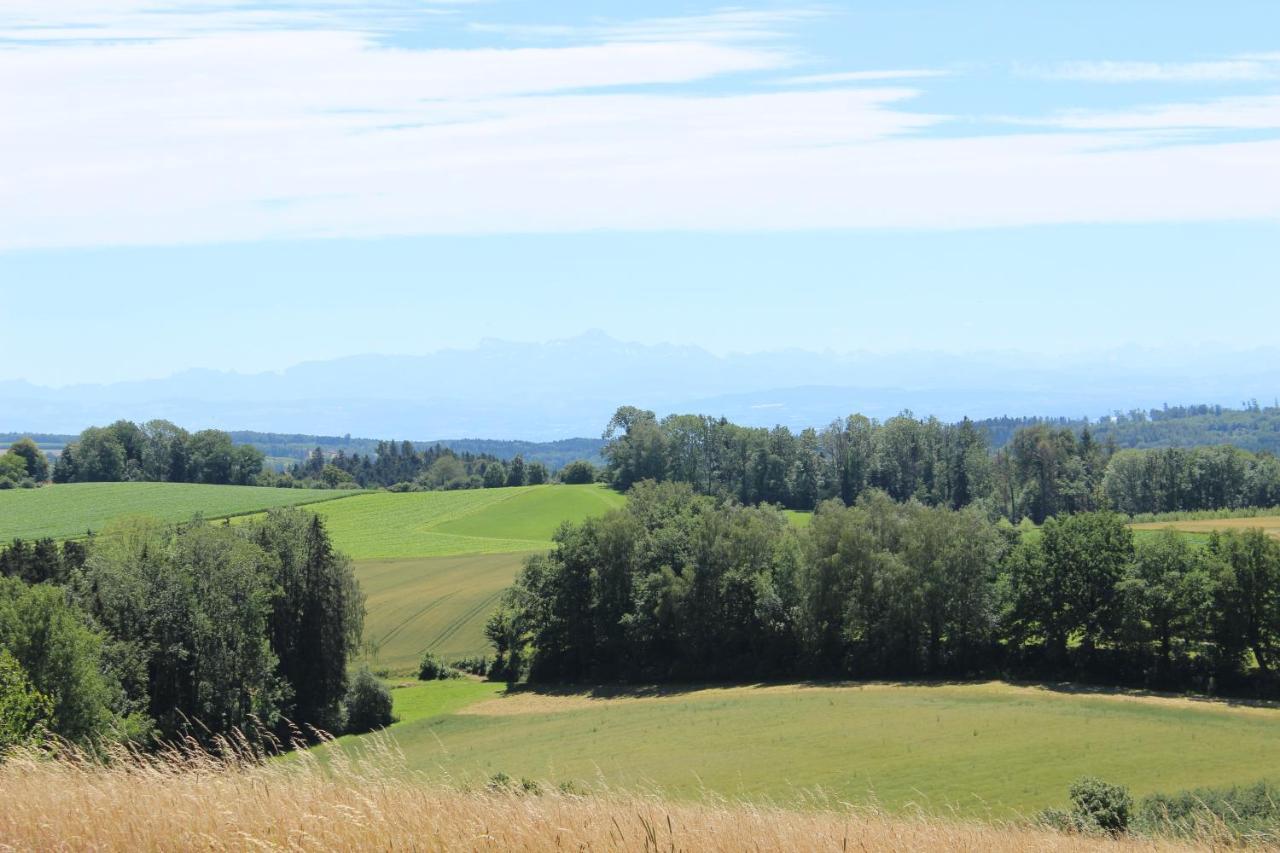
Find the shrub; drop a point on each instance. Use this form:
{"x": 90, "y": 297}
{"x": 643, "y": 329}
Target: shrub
{"x": 368, "y": 704}
{"x": 434, "y": 669}
{"x": 1243, "y": 810}
{"x": 578, "y": 472}
{"x": 1101, "y": 806}
{"x": 474, "y": 665}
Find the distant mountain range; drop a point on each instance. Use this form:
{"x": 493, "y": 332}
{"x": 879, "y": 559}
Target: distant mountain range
{"x": 565, "y": 388}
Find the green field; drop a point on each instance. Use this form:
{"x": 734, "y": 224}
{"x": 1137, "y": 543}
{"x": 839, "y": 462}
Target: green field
{"x": 981, "y": 749}
{"x": 476, "y": 521}
{"x": 438, "y": 604}
{"x": 71, "y": 509}
{"x": 434, "y": 563}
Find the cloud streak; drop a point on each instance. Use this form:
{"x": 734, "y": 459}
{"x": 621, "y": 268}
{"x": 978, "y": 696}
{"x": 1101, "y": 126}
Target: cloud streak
{"x": 308, "y": 123}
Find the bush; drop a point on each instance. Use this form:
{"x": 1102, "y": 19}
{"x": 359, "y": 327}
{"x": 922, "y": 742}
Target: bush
{"x": 476, "y": 665}
{"x": 368, "y": 704}
{"x": 1248, "y": 810}
{"x": 1100, "y": 806}
{"x": 578, "y": 472}
{"x": 434, "y": 669}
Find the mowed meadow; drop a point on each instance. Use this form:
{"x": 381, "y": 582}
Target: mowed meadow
{"x": 68, "y": 510}
{"x": 979, "y": 750}
{"x": 432, "y": 564}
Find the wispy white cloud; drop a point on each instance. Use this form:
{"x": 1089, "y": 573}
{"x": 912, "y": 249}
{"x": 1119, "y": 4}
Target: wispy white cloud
{"x": 1246, "y": 112}
{"x": 1254, "y": 67}
{"x": 228, "y": 128}
{"x": 721, "y": 25}
{"x": 865, "y": 76}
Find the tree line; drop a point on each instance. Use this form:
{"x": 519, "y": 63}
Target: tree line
{"x": 149, "y": 632}
{"x": 682, "y": 586}
{"x": 1042, "y": 471}
{"x": 156, "y": 451}
{"x": 400, "y": 466}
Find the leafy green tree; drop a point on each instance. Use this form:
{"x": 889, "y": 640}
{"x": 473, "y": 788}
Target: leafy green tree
{"x": 36, "y": 462}
{"x": 192, "y": 604}
{"x": 99, "y": 456}
{"x": 1167, "y": 596}
{"x": 445, "y": 472}
{"x": 368, "y": 704}
{"x": 1065, "y": 585}
{"x": 636, "y": 447}
{"x": 578, "y": 472}
{"x": 495, "y": 475}
{"x": 537, "y": 474}
{"x": 13, "y": 470}
{"x": 24, "y": 711}
{"x": 516, "y": 471}
{"x": 62, "y": 656}
{"x": 1247, "y": 606}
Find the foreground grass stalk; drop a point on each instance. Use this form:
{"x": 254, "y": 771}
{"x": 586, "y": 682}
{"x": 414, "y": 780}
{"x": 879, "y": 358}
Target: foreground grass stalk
{"x": 191, "y": 800}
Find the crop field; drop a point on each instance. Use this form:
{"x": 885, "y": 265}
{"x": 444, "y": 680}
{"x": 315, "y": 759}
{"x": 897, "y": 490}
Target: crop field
{"x": 1204, "y": 526}
{"x": 437, "y": 604}
{"x": 477, "y": 521}
{"x": 71, "y": 509}
{"x": 988, "y": 750}
{"x": 434, "y": 563}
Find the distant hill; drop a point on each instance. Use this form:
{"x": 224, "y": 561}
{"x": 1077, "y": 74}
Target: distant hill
{"x": 1252, "y": 427}
{"x": 546, "y": 391}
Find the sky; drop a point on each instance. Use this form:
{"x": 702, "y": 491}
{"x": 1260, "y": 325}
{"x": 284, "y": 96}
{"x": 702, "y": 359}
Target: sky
{"x": 245, "y": 187}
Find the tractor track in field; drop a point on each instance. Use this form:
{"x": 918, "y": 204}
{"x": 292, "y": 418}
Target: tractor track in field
{"x": 435, "y": 602}
{"x": 457, "y": 624}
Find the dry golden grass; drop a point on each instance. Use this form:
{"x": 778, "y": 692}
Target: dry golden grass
{"x": 193, "y": 802}
{"x": 1269, "y": 524}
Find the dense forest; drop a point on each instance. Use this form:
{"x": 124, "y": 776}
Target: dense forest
{"x": 684, "y": 586}
{"x": 148, "y": 632}
{"x": 1041, "y": 471}
{"x": 1251, "y": 427}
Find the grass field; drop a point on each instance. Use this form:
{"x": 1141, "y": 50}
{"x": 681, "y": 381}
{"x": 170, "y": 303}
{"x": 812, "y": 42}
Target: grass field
{"x": 477, "y": 521}
{"x": 984, "y": 750}
{"x": 434, "y": 563}
{"x": 439, "y": 604}
{"x": 70, "y": 509}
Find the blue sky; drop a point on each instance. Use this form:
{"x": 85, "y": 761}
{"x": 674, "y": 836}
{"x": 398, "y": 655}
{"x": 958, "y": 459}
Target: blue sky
{"x": 245, "y": 187}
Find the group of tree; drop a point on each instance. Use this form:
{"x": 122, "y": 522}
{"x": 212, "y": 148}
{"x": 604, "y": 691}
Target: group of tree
{"x": 150, "y": 632}
{"x": 1252, "y": 426}
{"x": 157, "y": 451}
{"x": 681, "y": 586}
{"x": 401, "y": 466}
{"x": 1040, "y": 472}
{"x": 23, "y": 464}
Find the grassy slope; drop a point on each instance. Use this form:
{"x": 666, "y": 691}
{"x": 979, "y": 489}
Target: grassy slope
{"x": 436, "y": 603}
{"x": 67, "y": 510}
{"x": 434, "y": 563}
{"x": 480, "y": 521}
{"x": 985, "y": 749}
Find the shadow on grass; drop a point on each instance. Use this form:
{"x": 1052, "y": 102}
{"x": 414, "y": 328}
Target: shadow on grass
{"x": 676, "y": 689}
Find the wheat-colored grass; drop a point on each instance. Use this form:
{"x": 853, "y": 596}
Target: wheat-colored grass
{"x": 188, "y": 801}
